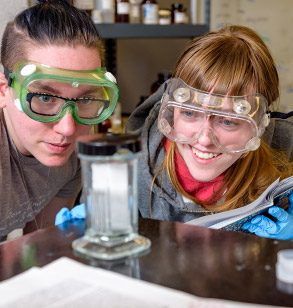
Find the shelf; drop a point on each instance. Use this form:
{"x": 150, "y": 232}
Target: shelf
{"x": 136, "y": 31}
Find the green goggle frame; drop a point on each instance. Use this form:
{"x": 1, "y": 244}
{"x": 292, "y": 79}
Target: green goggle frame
{"x": 28, "y": 72}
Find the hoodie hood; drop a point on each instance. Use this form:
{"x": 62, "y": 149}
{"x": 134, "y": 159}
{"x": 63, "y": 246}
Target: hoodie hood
{"x": 145, "y": 113}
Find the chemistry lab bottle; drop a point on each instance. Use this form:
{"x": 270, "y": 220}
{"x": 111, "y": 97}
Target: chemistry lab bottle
{"x": 135, "y": 11}
{"x": 178, "y": 14}
{"x": 122, "y": 11}
{"x": 85, "y": 5}
{"x": 108, "y": 11}
{"x": 150, "y": 12}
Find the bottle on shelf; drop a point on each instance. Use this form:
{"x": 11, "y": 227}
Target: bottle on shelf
{"x": 85, "y": 5}
{"x": 178, "y": 14}
{"x": 122, "y": 11}
{"x": 97, "y": 17}
{"x": 108, "y": 11}
{"x": 116, "y": 120}
{"x": 162, "y": 77}
{"x": 150, "y": 12}
{"x": 105, "y": 126}
{"x": 165, "y": 17}
{"x": 135, "y": 11}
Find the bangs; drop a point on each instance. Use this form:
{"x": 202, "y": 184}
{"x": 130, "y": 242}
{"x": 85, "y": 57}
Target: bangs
{"x": 221, "y": 68}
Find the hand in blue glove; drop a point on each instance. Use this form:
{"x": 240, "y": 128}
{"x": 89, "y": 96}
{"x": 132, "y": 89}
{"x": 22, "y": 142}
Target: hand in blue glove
{"x": 78, "y": 212}
{"x": 282, "y": 229}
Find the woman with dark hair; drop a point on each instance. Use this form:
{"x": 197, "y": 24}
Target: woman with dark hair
{"x": 53, "y": 90}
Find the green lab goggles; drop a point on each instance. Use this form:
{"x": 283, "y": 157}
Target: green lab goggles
{"x": 48, "y": 93}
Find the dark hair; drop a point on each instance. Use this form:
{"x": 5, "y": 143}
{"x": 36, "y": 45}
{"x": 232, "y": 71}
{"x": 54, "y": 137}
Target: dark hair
{"x": 49, "y": 22}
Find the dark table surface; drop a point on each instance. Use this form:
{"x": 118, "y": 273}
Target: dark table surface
{"x": 200, "y": 261}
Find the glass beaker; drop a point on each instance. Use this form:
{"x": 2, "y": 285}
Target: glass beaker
{"x": 109, "y": 170}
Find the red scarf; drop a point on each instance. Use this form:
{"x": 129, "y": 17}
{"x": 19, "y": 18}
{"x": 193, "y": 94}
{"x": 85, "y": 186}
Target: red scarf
{"x": 204, "y": 191}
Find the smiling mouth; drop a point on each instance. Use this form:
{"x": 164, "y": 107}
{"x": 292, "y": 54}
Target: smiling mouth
{"x": 204, "y": 155}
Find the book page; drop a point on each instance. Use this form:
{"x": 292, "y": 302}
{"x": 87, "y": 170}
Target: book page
{"x": 68, "y": 283}
{"x": 266, "y": 199}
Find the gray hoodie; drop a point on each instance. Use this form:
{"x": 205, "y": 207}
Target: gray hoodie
{"x": 166, "y": 202}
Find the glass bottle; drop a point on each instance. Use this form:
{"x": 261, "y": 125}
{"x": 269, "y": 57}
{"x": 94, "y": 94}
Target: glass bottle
{"x": 105, "y": 126}
{"x": 97, "y": 16}
{"x": 150, "y": 12}
{"x": 122, "y": 11}
{"x": 85, "y": 5}
{"x": 178, "y": 14}
{"x": 135, "y": 11}
{"x": 108, "y": 11}
{"x": 116, "y": 119}
{"x": 165, "y": 17}
{"x": 109, "y": 166}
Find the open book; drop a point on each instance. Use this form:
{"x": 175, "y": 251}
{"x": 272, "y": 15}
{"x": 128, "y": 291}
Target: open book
{"x": 234, "y": 219}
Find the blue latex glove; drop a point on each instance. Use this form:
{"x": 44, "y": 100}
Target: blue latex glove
{"x": 282, "y": 229}
{"x": 78, "y": 212}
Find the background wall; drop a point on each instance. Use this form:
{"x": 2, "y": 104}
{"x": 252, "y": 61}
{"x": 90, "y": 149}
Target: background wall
{"x": 139, "y": 61}
{"x": 273, "y": 21}
{"x": 8, "y": 9}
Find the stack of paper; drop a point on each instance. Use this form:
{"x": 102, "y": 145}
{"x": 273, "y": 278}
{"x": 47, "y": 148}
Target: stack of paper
{"x": 68, "y": 283}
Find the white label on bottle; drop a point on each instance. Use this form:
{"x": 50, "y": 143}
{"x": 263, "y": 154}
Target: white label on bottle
{"x": 150, "y": 13}
{"x": 107, "y": 4}
{"x": 179, "y": 18}
{"x": 123, "y": 8}
{"x": 84, "y": 4}
{"x": 110, "y": 187}
{"x": 135, "y": 11}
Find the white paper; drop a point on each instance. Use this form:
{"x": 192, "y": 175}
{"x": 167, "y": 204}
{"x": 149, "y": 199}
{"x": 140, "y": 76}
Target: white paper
{"x": 68, "y": 283}
{"x": 265, "y": 200}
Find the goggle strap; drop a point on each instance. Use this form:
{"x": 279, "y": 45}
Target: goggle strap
{"x": 7, "y": 76}
{"x": 281, "y": 115}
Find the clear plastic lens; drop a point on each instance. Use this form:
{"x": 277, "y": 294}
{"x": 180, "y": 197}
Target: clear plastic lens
{"x": 199, "y": 118}
{"x": 233, "y": 123}
{"x": 226, "y": 131}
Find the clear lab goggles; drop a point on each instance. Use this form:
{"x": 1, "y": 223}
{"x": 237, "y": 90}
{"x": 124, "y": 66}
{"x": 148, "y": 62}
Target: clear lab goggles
{"x": 47, "y": 93}
{"x": 234, "y": 124}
